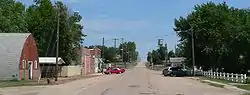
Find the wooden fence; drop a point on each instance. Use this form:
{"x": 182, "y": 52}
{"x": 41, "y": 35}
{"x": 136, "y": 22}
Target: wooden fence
{"x": 240, "y": 78}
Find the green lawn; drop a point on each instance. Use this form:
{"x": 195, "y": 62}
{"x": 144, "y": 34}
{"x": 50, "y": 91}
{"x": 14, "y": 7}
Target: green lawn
{"x": 217, "y": 80}
{"x": 246, "y": 94}
{"x": 246, "y": 86}
{"x": 213, "y": 84}
{"x": 216, "y": 85}
{"x": 11, "y": 83}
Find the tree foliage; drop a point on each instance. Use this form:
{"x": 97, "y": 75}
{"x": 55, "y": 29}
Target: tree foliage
{"x": 109, "y": 52}
{"x": 129, "y": 51}
{"x": 159, "y": 55}
{"x": 221, "y": 36}
{"x": 40, "y": 19}
{"x": 12, "y": 17}
{"x": 171, "y": 54}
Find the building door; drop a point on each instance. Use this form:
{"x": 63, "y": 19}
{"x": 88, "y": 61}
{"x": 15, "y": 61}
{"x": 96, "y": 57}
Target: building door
{"x": 30, "y": 69}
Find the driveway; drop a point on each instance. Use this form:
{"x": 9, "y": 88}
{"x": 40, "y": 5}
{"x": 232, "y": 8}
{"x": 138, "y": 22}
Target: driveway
{"x": 137, "y": 81}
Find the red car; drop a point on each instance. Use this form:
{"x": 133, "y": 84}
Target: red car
{"x": 114, "y": 71}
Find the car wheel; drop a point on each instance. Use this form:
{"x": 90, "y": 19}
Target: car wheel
{"x": 171, "y": 75}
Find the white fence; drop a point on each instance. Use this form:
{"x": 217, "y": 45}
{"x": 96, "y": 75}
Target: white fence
{"x": 241, "y": 78}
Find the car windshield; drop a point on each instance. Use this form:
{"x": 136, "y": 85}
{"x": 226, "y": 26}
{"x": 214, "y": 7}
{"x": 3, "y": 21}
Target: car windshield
{"x": 175, "y": 68}
{"x": 115, "y": 69}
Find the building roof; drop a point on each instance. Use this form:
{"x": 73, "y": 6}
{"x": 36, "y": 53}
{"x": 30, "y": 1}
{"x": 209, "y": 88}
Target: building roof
{"x": 85, "y": 51}
{"x": 11, "y": 45}
{"x": 177, "y": 59}
{"x": 95, "y": 52}
{"x": 50, "y": 60}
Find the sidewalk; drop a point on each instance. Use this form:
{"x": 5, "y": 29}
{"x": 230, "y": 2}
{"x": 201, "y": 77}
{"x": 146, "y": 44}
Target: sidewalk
{"x": 226, "y": 86}
{"x": 63, "y": 80}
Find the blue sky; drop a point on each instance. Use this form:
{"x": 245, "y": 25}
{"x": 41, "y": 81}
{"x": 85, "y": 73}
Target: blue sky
{"x": 142, "y": 21}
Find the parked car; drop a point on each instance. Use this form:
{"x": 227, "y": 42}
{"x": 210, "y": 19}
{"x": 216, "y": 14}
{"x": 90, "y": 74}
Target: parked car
{"x": 165, "y": 71}
{"x": 173, "y": 71}
{"x": 197, "y": 72}
{"x": 122, "y": 69}
{"x": 114, "y": 70}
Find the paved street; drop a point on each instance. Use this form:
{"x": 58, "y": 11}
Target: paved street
{"x": 138, "y": 81}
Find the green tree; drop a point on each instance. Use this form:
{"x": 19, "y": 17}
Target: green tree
{"x": 179, "y": 51}
{"x": 149, "y": 56}
{"x": 221, "y": 35}
{"x": 171, "y": 54}
{"x": 109, "y": 53}
{"x": 12, "y": 17}
{"x": 41, "y": 20}
{"x": 42, "y": 23}
{"x": 162, "y": 52}
{"x": 156, "y": 57}
{"x": 129, "y": 51}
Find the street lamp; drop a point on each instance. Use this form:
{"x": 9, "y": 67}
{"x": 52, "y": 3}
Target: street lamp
{"x": 193, "y": 56}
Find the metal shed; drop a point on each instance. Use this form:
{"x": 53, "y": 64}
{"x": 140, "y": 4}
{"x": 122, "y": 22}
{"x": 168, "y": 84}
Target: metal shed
{"x": 18, "y": 56}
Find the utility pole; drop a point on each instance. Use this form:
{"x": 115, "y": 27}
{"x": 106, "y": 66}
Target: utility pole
{"x": 115, "y": 49}
{"x": 57, "y": 42}
{"x": 103, "y": 47}
{"x": 122, "y": 52}
{"x": 127, "y": 52}
{"x": 151, "y": 60}
{"x": 166, "y": 52}
{"x": 193, "y": 56}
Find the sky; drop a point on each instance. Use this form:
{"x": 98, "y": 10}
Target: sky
{"x": 141, "y": 21}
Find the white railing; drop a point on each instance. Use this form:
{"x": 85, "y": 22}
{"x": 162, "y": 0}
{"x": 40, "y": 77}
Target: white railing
{"x": 241, "y": 78}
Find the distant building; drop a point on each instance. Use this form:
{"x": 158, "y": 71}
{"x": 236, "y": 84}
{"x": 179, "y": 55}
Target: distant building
{"x": 96, "y": 59}
{"x": 48, "y": 66}
{"x": 86, "y": 61}
{"x": 18, "y": 56}
{"x": 177, "y": 61}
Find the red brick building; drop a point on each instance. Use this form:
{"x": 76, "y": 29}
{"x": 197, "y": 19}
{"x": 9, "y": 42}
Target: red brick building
{"x": 95, "y": 52}
{"x": 86, "y": 61}
{"x": 95, "y": 61}
{"x": 19, "y": 56}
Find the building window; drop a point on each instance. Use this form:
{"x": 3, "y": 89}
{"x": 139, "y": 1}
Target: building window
{"x": 35, "y": 64}
{"x": 23, "y": 64}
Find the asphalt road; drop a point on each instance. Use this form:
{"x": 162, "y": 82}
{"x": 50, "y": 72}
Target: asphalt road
{"x": 137, "y": 81}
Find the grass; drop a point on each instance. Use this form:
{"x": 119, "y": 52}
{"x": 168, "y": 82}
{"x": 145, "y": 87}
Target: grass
{"x": 11, "y": 83}
{"x": 246, "y": 87}
{"x": 243, "y": 86}
{"x": 217, "y": 80}
{"x": 214, "y": 84}
{"x": 246, "y": 94}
